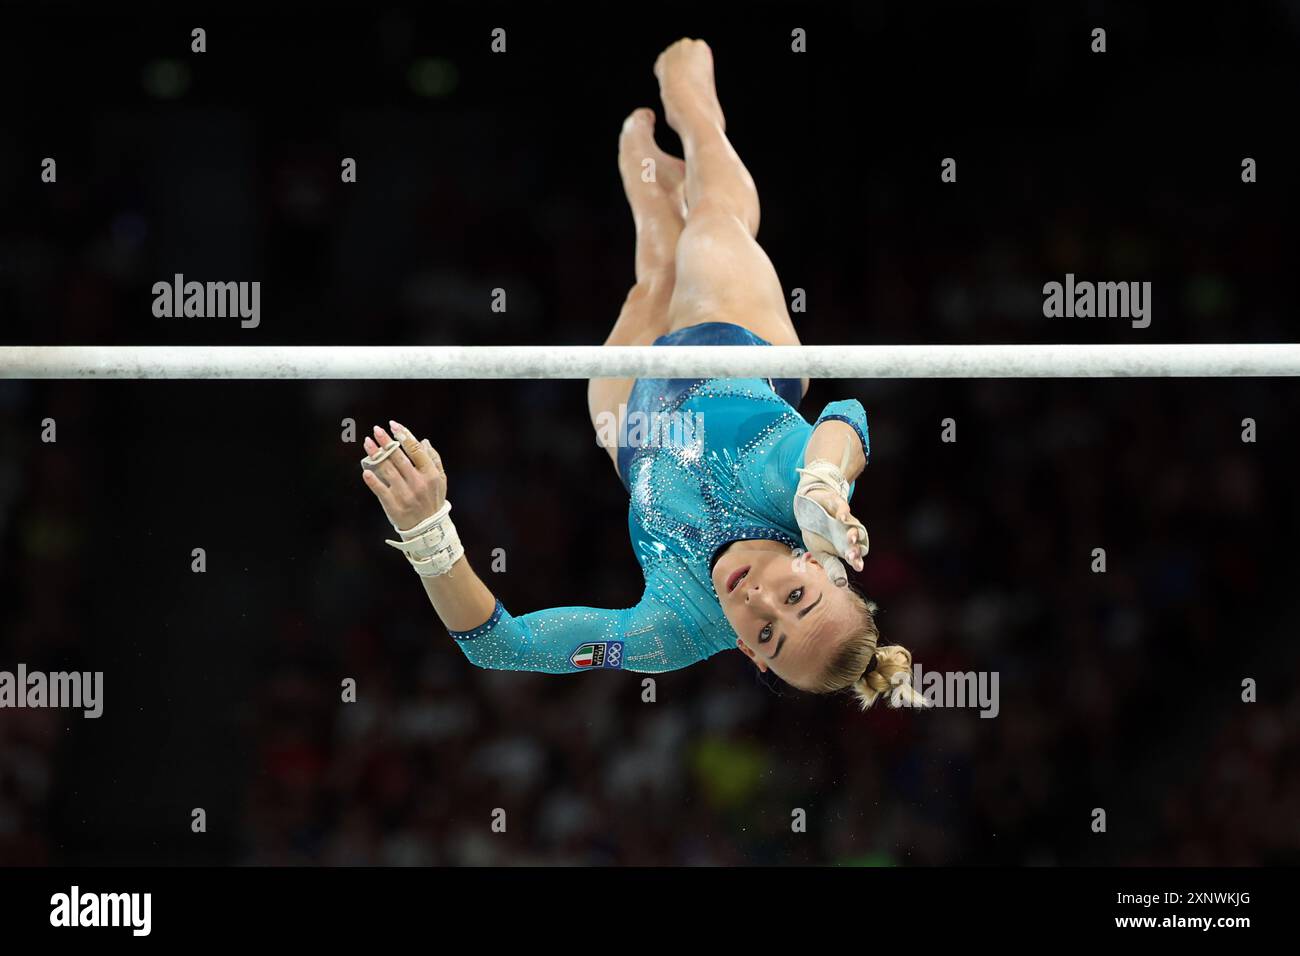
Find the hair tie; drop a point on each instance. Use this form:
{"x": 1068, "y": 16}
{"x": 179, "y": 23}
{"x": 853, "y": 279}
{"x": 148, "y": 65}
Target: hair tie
{"x": 871, "y": 666}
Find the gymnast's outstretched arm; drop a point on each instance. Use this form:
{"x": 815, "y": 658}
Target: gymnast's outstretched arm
{"x": 411, "y": 484}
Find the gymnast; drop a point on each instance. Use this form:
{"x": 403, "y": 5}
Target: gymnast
{"x": 742, "y": 528}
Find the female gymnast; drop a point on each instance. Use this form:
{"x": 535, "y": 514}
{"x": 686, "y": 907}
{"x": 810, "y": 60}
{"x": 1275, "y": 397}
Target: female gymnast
{"x": 742, "y": 526}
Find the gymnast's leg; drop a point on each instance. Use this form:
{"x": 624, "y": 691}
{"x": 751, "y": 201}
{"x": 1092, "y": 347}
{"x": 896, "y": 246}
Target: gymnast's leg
{"x": 657, "y": 215}
{"x": 722, "y": 273}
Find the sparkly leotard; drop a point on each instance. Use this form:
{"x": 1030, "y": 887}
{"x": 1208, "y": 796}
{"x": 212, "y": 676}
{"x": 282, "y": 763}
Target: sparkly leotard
{"x": 724, "y": 471}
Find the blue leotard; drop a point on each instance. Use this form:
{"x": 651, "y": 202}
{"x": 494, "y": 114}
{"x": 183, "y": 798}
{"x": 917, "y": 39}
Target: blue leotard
{"x": 719, "y": 467}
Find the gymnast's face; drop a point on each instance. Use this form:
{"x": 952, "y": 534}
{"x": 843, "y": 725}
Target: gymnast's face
{"x": 787, "y": 614}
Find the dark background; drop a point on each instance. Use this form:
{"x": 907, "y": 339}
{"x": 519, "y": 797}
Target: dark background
{"x": 478, "y": 171}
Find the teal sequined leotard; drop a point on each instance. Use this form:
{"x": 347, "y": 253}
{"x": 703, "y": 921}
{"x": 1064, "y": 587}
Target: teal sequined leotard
{"x": 725, "y": 472}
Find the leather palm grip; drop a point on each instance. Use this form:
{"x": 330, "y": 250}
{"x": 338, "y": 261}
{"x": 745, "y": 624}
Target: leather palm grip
{"x": 433, "y": 545}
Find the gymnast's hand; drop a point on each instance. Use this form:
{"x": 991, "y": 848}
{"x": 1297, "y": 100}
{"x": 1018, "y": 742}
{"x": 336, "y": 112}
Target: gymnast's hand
{"x": 848, "y": 540}
{"x": 408, "y": 480}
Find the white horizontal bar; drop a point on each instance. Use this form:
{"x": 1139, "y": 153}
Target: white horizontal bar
{"x": 594, "y": 361}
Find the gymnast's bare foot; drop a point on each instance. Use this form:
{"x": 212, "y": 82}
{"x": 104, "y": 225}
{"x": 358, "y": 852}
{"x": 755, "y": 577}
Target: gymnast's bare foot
{"x": 686, "y": 85}
{"x": 665, "y": 195}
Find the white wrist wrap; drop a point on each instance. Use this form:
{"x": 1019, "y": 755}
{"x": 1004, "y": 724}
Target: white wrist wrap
{"x": 433, "y": 545}
{"x": 821, "y": 473}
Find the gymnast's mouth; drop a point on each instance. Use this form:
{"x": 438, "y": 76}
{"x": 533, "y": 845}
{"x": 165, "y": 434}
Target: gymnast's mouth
{"x": 736, "y": 577}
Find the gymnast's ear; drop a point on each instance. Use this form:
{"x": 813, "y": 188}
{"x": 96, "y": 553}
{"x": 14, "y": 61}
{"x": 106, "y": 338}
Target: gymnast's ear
{"x": 748, "y": 652}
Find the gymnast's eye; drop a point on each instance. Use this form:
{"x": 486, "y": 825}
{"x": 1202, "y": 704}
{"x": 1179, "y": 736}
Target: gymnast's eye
{"x": 795, "y": 596}
{"x": 765, "y": 634}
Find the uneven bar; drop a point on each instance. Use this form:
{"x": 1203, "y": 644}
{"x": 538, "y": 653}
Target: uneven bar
{"x": 1201, "y": 360}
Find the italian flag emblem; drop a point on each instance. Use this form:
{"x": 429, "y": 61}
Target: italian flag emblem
{"x": 600, "y": 654}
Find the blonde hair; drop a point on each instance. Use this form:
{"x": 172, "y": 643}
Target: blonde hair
{"x": 891, "y": 675}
